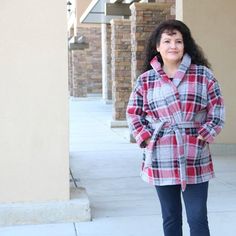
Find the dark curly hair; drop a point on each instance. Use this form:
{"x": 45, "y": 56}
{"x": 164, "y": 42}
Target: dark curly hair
{"x": 190, "y": 47}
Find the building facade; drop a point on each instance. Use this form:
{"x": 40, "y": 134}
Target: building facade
{"x": 208, "y": 30}
{"x": 105, "y": 58}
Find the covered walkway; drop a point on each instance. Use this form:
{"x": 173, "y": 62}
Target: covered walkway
{"x": 122, "y": 204}
{"x": 104, "y": 162}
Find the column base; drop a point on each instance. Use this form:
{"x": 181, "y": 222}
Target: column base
{"x": 75, "y": 209}
{"x": 118, "y": 124}
{"x": 132, "y": 139}
{"x": 107, "y": 101}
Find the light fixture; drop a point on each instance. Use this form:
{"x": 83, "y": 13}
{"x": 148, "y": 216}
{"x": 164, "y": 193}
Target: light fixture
{"x": 69, "y": 6}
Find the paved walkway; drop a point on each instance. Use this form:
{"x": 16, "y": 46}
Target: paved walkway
{"x": 104, "y": 162}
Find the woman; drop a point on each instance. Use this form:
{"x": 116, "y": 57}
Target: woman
{"x": 175, "y": 110}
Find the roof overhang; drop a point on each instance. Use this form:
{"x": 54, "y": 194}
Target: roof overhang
{"x": 95, "y": 13}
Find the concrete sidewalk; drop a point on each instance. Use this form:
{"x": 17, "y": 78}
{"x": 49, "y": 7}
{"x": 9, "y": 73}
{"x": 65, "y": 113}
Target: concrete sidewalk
{"x": 104, "y": 162}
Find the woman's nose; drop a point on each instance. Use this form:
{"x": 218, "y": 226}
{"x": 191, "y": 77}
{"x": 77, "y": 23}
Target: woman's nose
{"x": 173, "y": 45}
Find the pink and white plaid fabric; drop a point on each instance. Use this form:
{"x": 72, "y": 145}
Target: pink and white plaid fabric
{"x": 173, "y": 113}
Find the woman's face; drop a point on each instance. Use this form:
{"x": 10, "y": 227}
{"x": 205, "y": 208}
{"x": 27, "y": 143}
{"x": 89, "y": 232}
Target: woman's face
{"x": 171, "y": 47}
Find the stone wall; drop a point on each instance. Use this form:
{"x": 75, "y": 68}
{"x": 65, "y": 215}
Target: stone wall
{"x": 120, "y": 61}
{"x": 87, "y": 64}
{"x": 106, "y": 62}
{"x": 108, "y": 39}
{"x": 144, "y": 19}
{"x": 70, "y": 73}
{"x": 165, "y": 1}
{"x": 79, "y": 73}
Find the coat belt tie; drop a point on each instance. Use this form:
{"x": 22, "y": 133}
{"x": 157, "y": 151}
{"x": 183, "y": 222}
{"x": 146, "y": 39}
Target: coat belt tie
{"x": 176, "y": 127}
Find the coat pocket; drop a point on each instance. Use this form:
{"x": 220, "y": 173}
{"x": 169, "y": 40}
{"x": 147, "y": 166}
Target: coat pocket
{"x": 196, "y": 148}
{"x": 164, "y": 151}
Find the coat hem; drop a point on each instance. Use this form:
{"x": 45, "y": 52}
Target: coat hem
{"x": 163, "y": 182}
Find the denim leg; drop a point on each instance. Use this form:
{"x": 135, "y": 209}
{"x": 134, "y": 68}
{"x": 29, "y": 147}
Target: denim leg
{"x": 195, "y": 199}
{"x": 171, "y": 207}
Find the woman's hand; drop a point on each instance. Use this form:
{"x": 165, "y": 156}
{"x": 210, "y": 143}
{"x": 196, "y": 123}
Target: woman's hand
{"x": 147, "y": 141}
{"x": 200, "y": 137}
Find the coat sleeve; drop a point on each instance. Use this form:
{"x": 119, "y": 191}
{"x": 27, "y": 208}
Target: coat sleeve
{"x": 135, "y": 114}
{"x": 215, "y": 113}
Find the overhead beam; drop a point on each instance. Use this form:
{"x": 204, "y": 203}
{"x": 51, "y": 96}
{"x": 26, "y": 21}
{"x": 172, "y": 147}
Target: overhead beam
{"x": 117, "y": 9}
{"x": 78, "y": 43}
{"x": 130, "y": 1}
{"x": 78, "y": 46}
{"x": 116, "y": 1}
{"x": 124, "y": 1}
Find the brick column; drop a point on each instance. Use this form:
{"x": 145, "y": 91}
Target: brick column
{"x": 144, "y": 19}
{"x": 106, "y": 63}
{"x": 70, "y": 73}
{"x": 79, "y": 77}
{"x": 121, "y": 71}
{"x": 87, "y": 64}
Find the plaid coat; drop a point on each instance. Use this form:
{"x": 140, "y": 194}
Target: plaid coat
{"x": 173, "y": 113}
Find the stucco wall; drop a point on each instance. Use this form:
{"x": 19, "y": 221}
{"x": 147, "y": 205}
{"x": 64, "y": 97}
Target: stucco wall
{"x": 212, "y": 23}
{"x": 33, "y": 101}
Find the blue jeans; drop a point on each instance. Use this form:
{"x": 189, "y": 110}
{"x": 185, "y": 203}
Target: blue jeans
{"x": 195, "y": 200}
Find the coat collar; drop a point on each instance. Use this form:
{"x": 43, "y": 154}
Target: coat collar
{"x": 183, "y": 67}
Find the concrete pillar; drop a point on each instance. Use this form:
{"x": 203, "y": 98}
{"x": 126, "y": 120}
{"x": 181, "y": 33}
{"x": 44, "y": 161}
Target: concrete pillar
{"x": 34, "y": 163}
{"x": 216, "y": 35}
{"x": 120, "y": 61}
{"x": 144, "y": 19}
{"x": 34, "y": 102}
{"x": 106, "y": 63}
